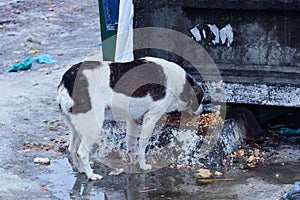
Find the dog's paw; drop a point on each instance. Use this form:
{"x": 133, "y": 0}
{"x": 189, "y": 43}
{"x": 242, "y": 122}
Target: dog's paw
{"x": 145, "y": 167}
{"x": 95, "y": 177}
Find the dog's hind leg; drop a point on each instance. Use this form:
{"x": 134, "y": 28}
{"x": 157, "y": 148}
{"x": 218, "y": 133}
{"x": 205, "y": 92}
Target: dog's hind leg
{"x": 74, "y": 143}
{"x": 131, "y": 137}
{"x": 89, "y": 129}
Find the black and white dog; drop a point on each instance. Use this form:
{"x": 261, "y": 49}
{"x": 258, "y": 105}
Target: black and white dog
{"x": 145, "y": 88}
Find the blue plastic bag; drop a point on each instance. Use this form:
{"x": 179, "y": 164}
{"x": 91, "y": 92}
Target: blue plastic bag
{"x": 25, "y": 65}
{"x": 294, "y": 194}
{"x": 288, "y": 131}
{"x": 44, "y": 59}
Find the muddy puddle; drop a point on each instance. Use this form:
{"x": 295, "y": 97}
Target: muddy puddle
{"x": 167, "y": 183}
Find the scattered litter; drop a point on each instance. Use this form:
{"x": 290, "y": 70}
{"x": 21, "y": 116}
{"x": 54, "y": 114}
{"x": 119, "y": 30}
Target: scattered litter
{"x": 52, "y": 19}
{"x": 39, "y": 147}
{"x": 33, "y": 40}
{"x": 44, "y": 59}
{"x": 218, "y": 174}
{"x": 61, "y": 141}
{"x": 99, "y": 43}
{"x": 25, "y": 65}
{"x": 288, "y": 131}
{"x": 116, "y": 172}
{"x": 204, "y": 173}
{"x": 180, "y": 166}
{"x": 42, "y": 161}
{"x": 60, "y": 54}
{"x": 51, "y": 9}
{"x": 44, "y": 189}
{"x": 207, "y": 119}
{"x": 294, "y": 194}
{"x": 250, "y": 156}
{"x": 1, "y": 26}
{"x": 148, "y": 190}
{"x": 33, "y": 51}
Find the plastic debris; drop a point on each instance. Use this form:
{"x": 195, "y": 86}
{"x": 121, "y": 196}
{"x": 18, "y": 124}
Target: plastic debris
{"x": 288, "y": 131}
{"x": 42, "y": 161}
{"x": 25, "y": 65}
{"x": 44, "y": 59}
{"x": 293, "y": 194}
{"x": 148, "y": 190}
{"x": 116, "y": 172}
{"x": 33, "y": 51}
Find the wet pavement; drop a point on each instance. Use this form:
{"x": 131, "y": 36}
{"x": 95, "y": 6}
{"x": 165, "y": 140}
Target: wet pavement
{"x": 31, "y": 125}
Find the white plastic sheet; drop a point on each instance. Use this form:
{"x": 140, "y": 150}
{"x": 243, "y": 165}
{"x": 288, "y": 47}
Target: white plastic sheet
{"x": 124, "y": 45}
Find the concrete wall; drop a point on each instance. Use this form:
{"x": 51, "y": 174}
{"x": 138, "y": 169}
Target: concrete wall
{"x": 253, "y": 42}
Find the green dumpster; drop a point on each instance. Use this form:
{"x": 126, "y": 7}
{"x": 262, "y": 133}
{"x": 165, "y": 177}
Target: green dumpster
{"x": 109, "y": 13}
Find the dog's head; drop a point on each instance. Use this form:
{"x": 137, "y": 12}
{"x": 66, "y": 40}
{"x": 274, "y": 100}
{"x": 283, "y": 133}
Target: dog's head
{"x": 193, "y": 96}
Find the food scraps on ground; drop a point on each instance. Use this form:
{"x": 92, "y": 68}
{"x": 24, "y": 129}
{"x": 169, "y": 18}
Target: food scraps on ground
{"x": 39, "y": 147}
{"x": 204, "y": 173}
{"x": 207, "y": 119}
{"x": 250, "y": 156}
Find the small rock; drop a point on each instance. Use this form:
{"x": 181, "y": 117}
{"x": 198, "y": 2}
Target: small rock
{"x": 42, "y": 161}
{"x": 18, "y": 12}
{"x": 33, "y": 40}
{"x": 204, "y": 173}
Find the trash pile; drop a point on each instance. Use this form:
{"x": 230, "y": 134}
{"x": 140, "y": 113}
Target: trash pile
{"x": 205, "y": 119}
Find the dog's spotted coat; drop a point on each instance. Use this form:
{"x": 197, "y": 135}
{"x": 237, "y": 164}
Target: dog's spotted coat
{"x": 147, "y": 88}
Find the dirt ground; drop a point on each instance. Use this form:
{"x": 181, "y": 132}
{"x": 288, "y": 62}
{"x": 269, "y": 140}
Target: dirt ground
{"x": 31, "y": 125}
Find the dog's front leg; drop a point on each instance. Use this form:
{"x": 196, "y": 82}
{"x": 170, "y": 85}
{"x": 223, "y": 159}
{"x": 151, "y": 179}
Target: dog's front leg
{"x": 132, "y": 143}
{"x": 149, "y": 122}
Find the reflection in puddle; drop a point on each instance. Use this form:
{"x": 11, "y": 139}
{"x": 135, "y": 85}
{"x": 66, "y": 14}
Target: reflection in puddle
{"x": 279, "y": 173}
{"x": 162, "y": 184}
{"x": 65, "y": 185}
